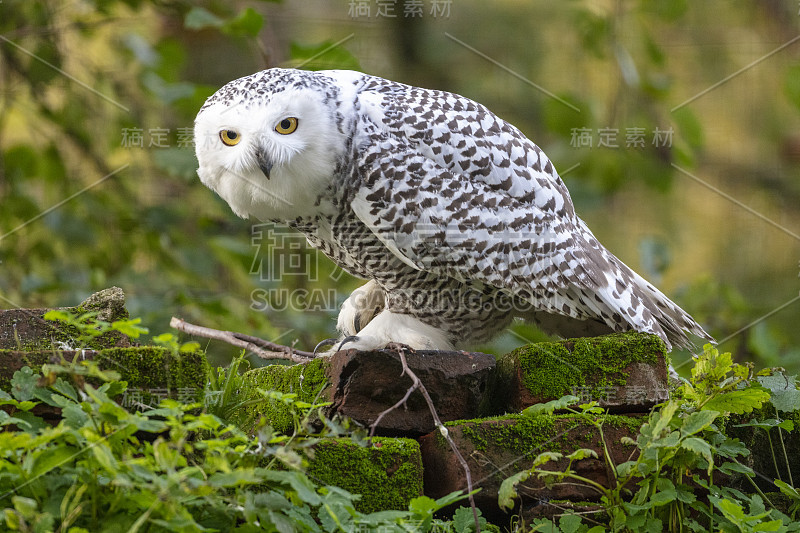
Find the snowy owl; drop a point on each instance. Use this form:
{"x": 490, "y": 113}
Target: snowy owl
{"x": 457, "y": 220}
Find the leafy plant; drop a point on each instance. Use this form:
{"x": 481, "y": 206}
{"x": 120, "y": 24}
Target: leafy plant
{"x": 670, "y": 484}
{"x": 179, "y": 467}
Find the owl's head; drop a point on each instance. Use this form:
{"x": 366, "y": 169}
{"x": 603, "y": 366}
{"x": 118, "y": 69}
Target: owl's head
{"x": 268, "y": 143}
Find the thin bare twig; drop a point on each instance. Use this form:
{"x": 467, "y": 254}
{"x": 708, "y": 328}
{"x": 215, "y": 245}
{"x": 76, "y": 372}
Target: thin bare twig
{"x": 260, "y": 347}
{"x": 417, "y": 384}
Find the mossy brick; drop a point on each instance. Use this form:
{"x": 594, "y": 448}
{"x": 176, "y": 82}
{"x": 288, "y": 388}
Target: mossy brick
{"x": 624, "y": 372}
{"x": 763, "y": 446}
{"x": 387, "y": 472}
{"x": 150, "y": 371}
{"x": 498, "y": 447}
{"x": 307, "y": 380}
{"x": 27, "y": 330}
{"x": 362, "y": 385}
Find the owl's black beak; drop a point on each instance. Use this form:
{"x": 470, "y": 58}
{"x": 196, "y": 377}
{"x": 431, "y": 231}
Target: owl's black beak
{"x": 264, "y": 162}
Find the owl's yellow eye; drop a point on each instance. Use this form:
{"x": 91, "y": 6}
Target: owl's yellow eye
{"x": 230, "y": 137}
{"x": 286, "y": 126}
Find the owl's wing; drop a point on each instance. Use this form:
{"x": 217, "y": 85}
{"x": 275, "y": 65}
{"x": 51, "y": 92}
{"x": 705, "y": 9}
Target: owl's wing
{"x": 451, "y": 189}
{"x": 450, "y": 225}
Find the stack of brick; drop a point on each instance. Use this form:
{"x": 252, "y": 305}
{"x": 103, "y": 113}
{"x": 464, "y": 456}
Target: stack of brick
{"x": 481, "y": 400}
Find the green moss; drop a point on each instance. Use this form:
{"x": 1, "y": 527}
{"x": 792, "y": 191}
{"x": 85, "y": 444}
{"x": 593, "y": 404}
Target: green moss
{"x": 553, "y": 369}
{"x": 520, "y": 434}
{"x": 32, "y": 333}
{"x": 387, "y": 475}
{"x": 307, "y": 380}
{"x": 631, "y": 423}
{"x": 524, "y": 434}
{"x": 143, "y": 367}
{"x": 152, "y": 367}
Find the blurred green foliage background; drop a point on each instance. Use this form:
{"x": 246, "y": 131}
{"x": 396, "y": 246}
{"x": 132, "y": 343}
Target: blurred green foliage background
{"x": 674, "y": 124}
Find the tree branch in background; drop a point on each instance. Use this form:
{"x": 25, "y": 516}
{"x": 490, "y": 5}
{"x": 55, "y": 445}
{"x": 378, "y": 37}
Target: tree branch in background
{"x": 417, "y": 384}
{"x": 260, "y": 347}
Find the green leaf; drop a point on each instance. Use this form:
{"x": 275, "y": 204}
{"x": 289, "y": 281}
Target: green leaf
{"x": 6, "y": 419}
{"x": 551, "y": 406}
{"x": 766, "y": 424}
{"x": 247, "y": 24}
{"x": 464, "y": 520}
{"x": 546, "y": 457}
{"x": 653, "y": 525}
{"x": 169, "y": 93}
{"x": 570, "y": 523}
{"x": 582, "y": 453}
{"x": 105, "y": 457}
{"x": 300, "y": 484}
{"x": 74, "y": 416}
{"x": 66, "y": 389}
{"x": 623, "y": 469}
{"x": 711, "y": 365}
{"x": 199, "y": 18}
{"x": 772, "y": 525}
{"x": 508, "y": 489}
{"x": 791, "y": 85}
{"x": 732, "y": 448}
{"x": 664, "y": 417}
{"x": 131, "y": 328}
{"x": 238, "y": 477}
{"x": 784, "y": 394}
{"x": 27, "y": 507}
{"x": 700, "y": 447}
{"x": 735, "y": 512}
{"x": 26, "y": 405}
{"x": 698, "y": 421}
{"x": 190, "y": 347}
{"x": 689, "y": 127}
{"x": 732, "y": 467}
{"x": 685, "y": 494}
{"x": 50, "y": 458}
{"x": 24, "y": 383}
{"x": 452, "y": 498}
{"x": 663, "y": 498}
{"x": 326, "y": 55}
{"x": 31, "y": 422}
{"x": 422, "y": 505}
{"x": 787, "y": 489}
{"x": 738, "y": 401}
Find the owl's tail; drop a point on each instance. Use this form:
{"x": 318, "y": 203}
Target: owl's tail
{"x": 610, "y": 294}
{"x": 657, "y": 314}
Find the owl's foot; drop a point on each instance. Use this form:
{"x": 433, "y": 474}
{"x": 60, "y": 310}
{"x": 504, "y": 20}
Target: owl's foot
{"x": 399, "y": 348}
{"x": 394, "y": 328}
{"x": 364, "y": 304}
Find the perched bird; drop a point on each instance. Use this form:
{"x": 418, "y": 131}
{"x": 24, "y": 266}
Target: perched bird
{"x": 459, "y": 222}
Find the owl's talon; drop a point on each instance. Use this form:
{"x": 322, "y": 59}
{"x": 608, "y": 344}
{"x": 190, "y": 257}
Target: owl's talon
{"x": 325, "y": 342}
{"x": 349, "y": 338}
